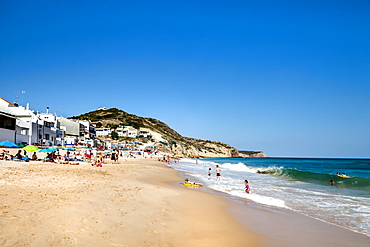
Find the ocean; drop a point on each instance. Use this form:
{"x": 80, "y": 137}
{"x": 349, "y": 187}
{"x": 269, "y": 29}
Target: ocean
{"x": 298, "y": 184}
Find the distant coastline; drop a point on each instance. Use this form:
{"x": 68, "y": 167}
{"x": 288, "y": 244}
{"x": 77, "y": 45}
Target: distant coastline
{"x": 252, "y": 154}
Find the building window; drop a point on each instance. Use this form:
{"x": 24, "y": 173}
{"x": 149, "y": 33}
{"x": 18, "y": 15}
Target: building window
{"x": 7, "y": 123}
{"x": 24, "y": 131}
{"x": 47, "y": 136}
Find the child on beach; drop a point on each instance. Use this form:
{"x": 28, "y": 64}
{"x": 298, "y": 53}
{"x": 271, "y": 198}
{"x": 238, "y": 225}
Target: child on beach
{"x": 247, "y": 187}
{"x": 209, "y": 173}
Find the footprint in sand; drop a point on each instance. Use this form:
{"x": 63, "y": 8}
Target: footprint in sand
{"x": 105, "y": 234}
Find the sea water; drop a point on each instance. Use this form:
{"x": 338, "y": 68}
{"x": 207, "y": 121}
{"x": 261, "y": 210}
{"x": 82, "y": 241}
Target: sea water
{"x": 301, "y": 185}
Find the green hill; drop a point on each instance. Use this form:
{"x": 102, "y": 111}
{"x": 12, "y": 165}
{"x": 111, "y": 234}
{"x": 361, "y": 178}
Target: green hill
{"x": 113, "y": 118}
{"x": 176, "y": 144}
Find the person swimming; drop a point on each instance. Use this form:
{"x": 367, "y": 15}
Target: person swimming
{"x": 262, "y": 172}
{"x": 343, "y": 175}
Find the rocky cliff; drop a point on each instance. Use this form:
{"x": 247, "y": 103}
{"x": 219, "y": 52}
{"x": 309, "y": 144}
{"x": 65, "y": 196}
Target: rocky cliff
{"x": 190, "y": 147}
{"x": 254, "y": 154}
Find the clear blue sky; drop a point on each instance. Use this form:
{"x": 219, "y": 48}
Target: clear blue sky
{"x": 290, "y": 78}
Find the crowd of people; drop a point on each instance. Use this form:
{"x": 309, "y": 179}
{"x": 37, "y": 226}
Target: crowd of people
{"x": 5, "y": 155}
{"x": 56, "y": 156}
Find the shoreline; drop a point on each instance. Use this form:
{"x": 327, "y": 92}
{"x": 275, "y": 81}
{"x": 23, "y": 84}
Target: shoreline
{"x": 284, "y": 227}
{"x": 140, "y": 202}
{"x": 290, "y": 228}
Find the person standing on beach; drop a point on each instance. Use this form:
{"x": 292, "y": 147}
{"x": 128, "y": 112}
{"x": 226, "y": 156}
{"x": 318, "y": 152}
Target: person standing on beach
{"x": 117, "y": 157}
{"x": 209, "y": 173}
{"x": 218, "y": 173}
{"x": 113, "y": 156}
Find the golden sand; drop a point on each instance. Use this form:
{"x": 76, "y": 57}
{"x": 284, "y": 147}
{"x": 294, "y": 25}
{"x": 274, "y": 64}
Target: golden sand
{"x": 140, "y": 202}
{"x": 126, "y": 204}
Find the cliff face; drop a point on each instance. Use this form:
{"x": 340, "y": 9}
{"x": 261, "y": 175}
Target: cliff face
{"x": 171, "y": 141}
{"x": 189, "y": 147}
{"x": 254, "y": 154}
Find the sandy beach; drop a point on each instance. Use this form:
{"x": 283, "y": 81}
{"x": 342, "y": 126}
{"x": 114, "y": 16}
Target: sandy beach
{"x": 140, "y": 202}
{"x": 128, "y": 204}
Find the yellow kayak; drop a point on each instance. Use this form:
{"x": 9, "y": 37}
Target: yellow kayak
{"x": 191, "y": 184}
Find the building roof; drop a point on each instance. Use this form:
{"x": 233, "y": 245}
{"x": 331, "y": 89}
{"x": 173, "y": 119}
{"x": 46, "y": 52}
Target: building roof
{"x": 7, "y": 102}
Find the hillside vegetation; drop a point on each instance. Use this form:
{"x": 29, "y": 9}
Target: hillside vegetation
{"x": 177, "y": 144}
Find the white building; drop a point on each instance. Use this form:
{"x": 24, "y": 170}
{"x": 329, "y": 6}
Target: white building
{"x": 145, "y": 133}
{"x": 87, "y": 132}
{"x": 72, "y": 130}
{"x": 132, "y": 132}
{"x": 56, "y": 134}
{"x": 127, "y": 131}
{"x": 46, "y": 132}
{"x": 87, "y": 129}
{"x": 121, "y": 132}
{"x": 103, "y": 131}
{"x": 30, "y": 128}
{"x": 8, "y": 122}
{"x": 7, "y": 127}
{"x": 20, "y": 124}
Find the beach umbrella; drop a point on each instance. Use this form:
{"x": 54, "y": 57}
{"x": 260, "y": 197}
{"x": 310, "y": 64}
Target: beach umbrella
{"x": 20, "y": 145}
{"x": 8, "y": 144}
{"x": 30, "y": 148}
{"x": 53, "y": 148}
{"x": 45, "y": 150}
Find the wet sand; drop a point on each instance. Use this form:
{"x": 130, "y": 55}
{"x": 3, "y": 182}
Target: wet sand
{"x": 285, "y": 228}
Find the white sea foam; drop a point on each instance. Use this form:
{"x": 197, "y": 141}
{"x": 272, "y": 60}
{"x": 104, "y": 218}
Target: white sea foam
{"x": 334, "y": 204}
{"x": 238, "y": 167}
{"x": 258, "y": 198}
{"x": 231, "y": 182}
